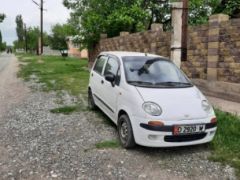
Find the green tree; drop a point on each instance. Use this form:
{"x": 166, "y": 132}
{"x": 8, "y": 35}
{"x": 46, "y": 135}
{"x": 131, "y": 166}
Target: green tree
{"x": 93, "y": 17}
{"x": 200, "y": 10}
{"x": 159, "y": 12}
{"x": 0, "y": 39}
{"x": 18, "y": 45}
{"x": 2, "y": 17}
{"x": 2, "y": 44}
{"x": 20, "y": 31}
{"x": 230, "y": 7}
{"x": 32, "y": 38}
{"x": 57, "y": 40}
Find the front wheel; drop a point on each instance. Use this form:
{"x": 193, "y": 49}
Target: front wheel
{"x": 125, "y": 132}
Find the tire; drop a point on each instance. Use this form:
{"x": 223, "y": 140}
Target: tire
{"x": 125, "y": 132}
{"x": 91, "y": 103}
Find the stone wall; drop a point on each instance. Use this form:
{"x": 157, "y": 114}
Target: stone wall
{"x": 213, "y": 49}
{"x": 196, "y": 64}
{"x": 154, "y": 41}
{"x": 229, "y": 51}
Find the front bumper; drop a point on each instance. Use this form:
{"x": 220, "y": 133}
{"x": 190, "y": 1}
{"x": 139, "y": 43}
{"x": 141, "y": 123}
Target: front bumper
{"x": 162, "y": 136}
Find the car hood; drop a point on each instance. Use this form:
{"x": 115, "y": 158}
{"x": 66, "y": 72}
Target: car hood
{"x": 176, "y": 103}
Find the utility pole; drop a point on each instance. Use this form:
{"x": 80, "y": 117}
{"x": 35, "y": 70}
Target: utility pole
{"x": 41, "y": 20}
{"x": 26, "y": 46}
{"x": 41, "y": 24}
{"x": 184, "y": 30}
{"x": 184, "y": 36}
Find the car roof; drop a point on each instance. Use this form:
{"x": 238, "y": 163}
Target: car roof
{"x": 121, "y": 54}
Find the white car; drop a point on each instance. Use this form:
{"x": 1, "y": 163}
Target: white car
{"x": 150, "y": 100}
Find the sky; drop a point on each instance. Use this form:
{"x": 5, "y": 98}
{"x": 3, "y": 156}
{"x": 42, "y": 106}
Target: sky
{"x": 56, "y": 13}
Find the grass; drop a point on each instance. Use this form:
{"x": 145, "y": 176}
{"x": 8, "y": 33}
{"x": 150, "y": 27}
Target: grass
{"x": 226, "y": 144}
{"x": 108, "y": 144}
{"x": 65, "y": 110}
{"x": 69, "y": 109}
{"x": 56, "y": 73}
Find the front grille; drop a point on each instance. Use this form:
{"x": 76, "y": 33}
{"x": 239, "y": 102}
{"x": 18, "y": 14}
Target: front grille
{"x": 184, "y": 138}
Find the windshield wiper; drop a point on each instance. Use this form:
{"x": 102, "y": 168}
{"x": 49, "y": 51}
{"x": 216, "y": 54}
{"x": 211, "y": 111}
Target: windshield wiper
{"x": 174, "y": 83}
{"x": 140, "y": 82}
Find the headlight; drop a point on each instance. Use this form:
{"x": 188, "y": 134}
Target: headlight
{"x": 206, "y": 106}
{"x": 152, "y": 108}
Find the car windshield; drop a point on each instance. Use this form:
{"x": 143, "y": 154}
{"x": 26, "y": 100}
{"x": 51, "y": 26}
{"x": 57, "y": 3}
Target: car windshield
{"x": 154, "y": 72}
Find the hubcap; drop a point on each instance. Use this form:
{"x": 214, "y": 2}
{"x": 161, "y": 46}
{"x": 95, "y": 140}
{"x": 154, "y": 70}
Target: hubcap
{"x": 124, "y": 132}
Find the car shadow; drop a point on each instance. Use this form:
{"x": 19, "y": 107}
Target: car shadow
{"x": 106, "y": 120}
{"x": 173, "y": 151}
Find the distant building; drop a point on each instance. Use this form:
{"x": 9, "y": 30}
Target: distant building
{"x": 47, "y": 50}
{"x": 74, "y": 49}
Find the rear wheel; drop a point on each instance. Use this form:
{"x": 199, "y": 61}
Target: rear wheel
{"x": 91, "y": 103}
{"x": 125, "y": 132}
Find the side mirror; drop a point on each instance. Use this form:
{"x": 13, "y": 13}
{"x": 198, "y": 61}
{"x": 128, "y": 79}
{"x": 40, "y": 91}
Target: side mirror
{"x": 110, "y": 78}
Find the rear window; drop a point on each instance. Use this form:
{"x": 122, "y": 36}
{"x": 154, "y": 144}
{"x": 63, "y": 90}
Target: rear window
{"x": 99, "y": 64}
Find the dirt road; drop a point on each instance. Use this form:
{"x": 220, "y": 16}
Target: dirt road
{"x": 36, "y": 144}
{"x": 12, "y": 90}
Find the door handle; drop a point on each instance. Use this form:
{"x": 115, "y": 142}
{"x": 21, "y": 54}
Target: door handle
{"x": 102, "y": 81}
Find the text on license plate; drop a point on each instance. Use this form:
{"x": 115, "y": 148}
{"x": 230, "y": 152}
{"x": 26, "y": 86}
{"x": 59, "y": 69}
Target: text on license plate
{"x": 188, "y": 129}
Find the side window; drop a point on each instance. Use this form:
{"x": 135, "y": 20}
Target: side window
{"x": 99, "y": 64}
{"x": 112, "y": 67}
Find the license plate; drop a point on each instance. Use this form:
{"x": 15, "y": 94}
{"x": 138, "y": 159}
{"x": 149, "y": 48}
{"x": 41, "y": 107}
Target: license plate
{"x": 188, "y": 129}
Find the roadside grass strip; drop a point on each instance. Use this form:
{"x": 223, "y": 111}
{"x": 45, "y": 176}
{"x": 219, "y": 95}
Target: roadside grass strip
{"x": 226, "y": 144}
{"x": 57, "y": 73}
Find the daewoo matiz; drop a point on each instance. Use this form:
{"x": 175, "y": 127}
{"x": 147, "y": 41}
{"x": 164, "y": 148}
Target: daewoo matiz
{"x": 150, "y": 100}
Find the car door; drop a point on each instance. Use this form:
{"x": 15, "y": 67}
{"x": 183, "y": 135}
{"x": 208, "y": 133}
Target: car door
{"x": 111, "y": 91}
{"x": 97, "y": 78}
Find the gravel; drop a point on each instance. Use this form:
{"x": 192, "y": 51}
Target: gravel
{"x": 37, "y": 144}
